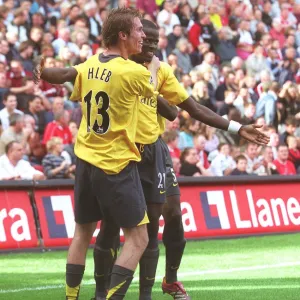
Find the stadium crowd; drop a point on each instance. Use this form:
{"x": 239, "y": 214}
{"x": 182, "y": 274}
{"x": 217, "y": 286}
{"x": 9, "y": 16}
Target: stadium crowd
{"x": 239, "y": 58}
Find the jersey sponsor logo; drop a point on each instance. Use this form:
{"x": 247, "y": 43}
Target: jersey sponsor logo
{"x": 152, "y": 102}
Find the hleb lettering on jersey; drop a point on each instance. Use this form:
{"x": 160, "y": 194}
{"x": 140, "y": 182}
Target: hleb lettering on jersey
{"x": 96, "y": 73}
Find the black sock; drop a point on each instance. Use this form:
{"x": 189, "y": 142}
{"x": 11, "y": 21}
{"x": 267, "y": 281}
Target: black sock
{"x": 120, "y": 282}
{"x": 148, "y": 266}
{"x": 74, "y": 275}
{"x": 174, "y": 253}
{"x": 103, "y": 261}
{"x": 173, "y": 238}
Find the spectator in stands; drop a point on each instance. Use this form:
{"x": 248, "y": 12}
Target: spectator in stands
{"x": 90, "y": 9}
{"x": 223, "y": 163}
{"x": 290, "y": 128}
{"x": 182, "y": 53}
{"x": 241, "y": 166}
{"x": 17, "y": 73}
{"x": 277, "y": 33}
{"x": 54, "y": 164}
{"x": 15, "y": 132}
{"x": 171, "y": 139}
{"x": 201, "y": 94}
{"x": 249, "y": 113}
{"x": 242, "y": 100}
{"x": 167, "y": 18}
{"x": 200, "y": 142}
{"x": 36, "y": 39}
{"x": 225, "y": 45}
{"x": 268, "y": 168}
{"x": 245, "y": 44}
{"x": 254, "y": 165}
{"x": 237, "y": 63}
{"x": 209, "y": 62}
{"x": 294, "y": 152}
{"x": 256, "y": 62}
{"x": 228, "y": 85}
{"x": 13, "y": 167}
{"x": 266, "y": 105}
{"x": 18, "y": 25}
{"x": 288, "y": 102}
{"x": 174, "y": 36}
{"x": 176, "y": 166}
{"x": 35, "y": 109}
{"x": 25, "y": 57}
{"x": 164, "y": 49}
{"x": 63, "y": 40}
{"x": 224, "y": 110}
{"x": 10, "y": 107}
{"x": 283, "y": 165}
{"x": 186, "y": 137}
{"x": 59, "y": 128}
{"x": 37, "y": 150}
{"x": 266, "y": 14}
{"x": 191, "y": 165}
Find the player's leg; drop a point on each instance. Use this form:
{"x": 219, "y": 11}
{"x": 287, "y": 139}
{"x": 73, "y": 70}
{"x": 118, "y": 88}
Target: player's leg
{"x": 123, "y": 203}
{"x": 152, "y": 171}
{"x": 173, "y": 235}
{"x": 105, "y": 255}
{"x": 149, "y": 260}
{"x": 136, "y": 240}
{"x": 76, "y": 258}
{"x": 87, "y": 213}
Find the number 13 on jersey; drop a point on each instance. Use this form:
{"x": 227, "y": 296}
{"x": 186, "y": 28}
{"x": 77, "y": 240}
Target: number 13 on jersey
{"x": 102, "y": 108}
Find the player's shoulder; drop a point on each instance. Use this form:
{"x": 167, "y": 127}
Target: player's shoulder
{"x": 165, "y": 68}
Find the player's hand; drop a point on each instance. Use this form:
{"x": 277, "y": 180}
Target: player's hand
{"x": 39, "y": 63}
{"x": 251, "y": 134}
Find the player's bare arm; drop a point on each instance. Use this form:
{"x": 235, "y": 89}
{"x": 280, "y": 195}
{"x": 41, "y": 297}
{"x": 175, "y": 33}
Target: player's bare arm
{"x": 207, "y": 116}
{"x": 166, "y": 110}
{"x": 52, "y": 75}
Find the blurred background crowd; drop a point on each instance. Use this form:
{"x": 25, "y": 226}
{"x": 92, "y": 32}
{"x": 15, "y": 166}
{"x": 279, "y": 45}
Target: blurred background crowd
{"x": 240, "y": 58}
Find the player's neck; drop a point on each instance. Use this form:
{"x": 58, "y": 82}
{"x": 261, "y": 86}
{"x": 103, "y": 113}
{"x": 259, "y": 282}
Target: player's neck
{"x": 117, "y": 50}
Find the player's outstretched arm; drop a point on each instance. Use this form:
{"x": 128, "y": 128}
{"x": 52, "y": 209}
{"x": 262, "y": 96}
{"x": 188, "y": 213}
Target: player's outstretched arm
{"x": 166, "y": 110}
{"x": 52, "y": 75}
{"x": 207, "y": 116}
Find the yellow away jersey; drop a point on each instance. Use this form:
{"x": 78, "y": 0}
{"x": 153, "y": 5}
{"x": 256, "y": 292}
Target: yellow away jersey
{"x": 151, "y": 124}
{"x": 169, "y": 87}
{"x": 109, "y": 88}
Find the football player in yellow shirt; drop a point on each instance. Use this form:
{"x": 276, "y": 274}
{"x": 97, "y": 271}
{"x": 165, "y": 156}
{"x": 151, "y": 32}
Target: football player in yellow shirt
{"x": 150, "y": 126}
{"x": 107, "y": 184}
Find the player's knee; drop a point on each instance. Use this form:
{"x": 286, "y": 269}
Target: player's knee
{"x": 139, "y": 238}
{"x": 84, "y": 232}
{"x": 173, "y": 208}
{"x": 107, "y": 236}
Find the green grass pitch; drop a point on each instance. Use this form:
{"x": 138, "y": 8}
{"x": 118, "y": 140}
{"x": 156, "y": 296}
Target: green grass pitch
{"x": 256, "y": 268}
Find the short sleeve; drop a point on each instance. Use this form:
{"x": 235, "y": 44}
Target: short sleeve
{"x": 171, "y": 89}
{"x": 141, "y": 82}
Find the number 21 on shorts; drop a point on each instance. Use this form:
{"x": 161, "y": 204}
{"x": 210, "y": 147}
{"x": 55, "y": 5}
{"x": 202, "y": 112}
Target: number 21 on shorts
{"x": 162, "y": 180}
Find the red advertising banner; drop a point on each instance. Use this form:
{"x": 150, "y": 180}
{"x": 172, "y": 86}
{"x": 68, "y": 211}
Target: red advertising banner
{"x": 207, "y": 211}
{"x": 243, "y": 209}
{"x": 56, "y": 213}
{"x": 17, "y": 224}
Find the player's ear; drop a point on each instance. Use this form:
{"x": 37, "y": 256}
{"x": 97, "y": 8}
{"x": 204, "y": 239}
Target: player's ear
{"x": 123, "y": 35}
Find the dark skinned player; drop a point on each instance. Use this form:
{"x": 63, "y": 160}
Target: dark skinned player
{"x": 173, "y": 236}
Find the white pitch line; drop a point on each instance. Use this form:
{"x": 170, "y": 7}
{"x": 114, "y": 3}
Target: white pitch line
{"x": 189, "y": 274}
